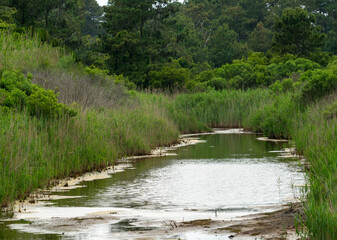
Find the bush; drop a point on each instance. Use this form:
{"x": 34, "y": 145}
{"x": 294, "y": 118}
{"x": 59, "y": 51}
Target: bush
{"x": 285, "y": 85}
{"x": 17, "y": 91}
{"x": 171, "y": 77}
{"x": 217, "y": 83}
{"x": 44, "y": 102}
{"x": 316, "y": 84}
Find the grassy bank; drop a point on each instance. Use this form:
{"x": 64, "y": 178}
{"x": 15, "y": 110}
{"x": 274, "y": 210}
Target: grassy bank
{"x": 315, "y": 136}
{"x": 35, "y": 151}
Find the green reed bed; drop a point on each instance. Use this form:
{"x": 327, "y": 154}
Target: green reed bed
{"x": 316, "y": 137}
{"x": 197, "y": 112}
{"x": 313, "y": 129}
{"x": 34, "y": 151}
{"x": 227, "y": 108}
{"x": 23, "y": 52}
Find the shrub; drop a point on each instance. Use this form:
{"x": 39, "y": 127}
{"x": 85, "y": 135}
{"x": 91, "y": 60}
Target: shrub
{"x": 44, "y": 102}
{"x": 316, "y": 84}
{"x": 284, "y": 86}
{"x": 172, "y": 76}
{"x": 17, "y": 91}
{"x": 217, "y": 83}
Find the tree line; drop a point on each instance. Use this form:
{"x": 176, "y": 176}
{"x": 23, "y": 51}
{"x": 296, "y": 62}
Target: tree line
{"x": 159, "y": 43}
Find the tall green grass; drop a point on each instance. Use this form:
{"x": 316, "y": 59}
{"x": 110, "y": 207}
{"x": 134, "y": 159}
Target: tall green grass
{"x": 26, "y": 53}
{"x": 315, "y": 136}
{"x": 197, "y": 112}
{"x": 34, "y": 151}
{"x": 313, "y": 128}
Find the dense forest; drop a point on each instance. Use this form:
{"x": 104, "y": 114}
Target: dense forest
{"x": 172, "y": 45}
{"x": 77, "y": 78}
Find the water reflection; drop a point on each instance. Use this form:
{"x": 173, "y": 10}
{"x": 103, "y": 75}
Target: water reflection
{"x": 238, "y": 172}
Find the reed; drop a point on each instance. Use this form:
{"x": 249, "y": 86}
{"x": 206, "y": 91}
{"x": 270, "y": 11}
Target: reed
{"x": 34, "y": 151}
{"x": 315, "y": 136}
{"x": 26, "y": 53}
{"x": 227, "y": 108}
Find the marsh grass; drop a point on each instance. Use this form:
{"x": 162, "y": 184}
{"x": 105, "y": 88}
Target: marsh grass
{"x": 24, "y": 52}
{"x": 316, "y": 137}
{"x": 196, "y": 112}
{"x": 35, "y": 151}
{"x": 77, "y": 87}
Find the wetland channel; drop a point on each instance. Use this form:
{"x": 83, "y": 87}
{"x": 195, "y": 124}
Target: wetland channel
{"x": 189, "y": 194}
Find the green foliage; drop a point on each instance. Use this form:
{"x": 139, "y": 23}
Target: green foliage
{"x": 227, "y": 108}
{"x": 315, "y": 138}
{"x": 316, "y": 84}
{"x": 171, "y": 77}
{"x": 25, "y": 52}
{"x": 284, "y": 86}
{"x": 224, "y": 46}
{"x": 44, "y": 149}
{"x": 66, "y": 62}
{"x": 260, "y": 39}
{"x": 44, "y": 102}
{"x": 17, "y": 91}
{"x": 323, "y": 58}
{"x": 330, "y": 111}
{"x": 7, "y": 18}
{"x": 296, "y": 33}
{"x": 331, "y": 42}
{"x": 275, "y": 120}
{"x": 257, "y": 71}
{"x": 218, "y": 83}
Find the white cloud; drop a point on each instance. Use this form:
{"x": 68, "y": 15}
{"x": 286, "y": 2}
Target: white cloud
{"x": 102, "y": 2}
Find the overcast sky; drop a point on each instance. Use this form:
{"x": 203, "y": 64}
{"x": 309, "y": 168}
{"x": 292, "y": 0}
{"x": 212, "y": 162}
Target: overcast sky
{"x": 104, "y": 2}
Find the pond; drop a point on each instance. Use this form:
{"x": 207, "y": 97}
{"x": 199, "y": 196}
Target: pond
{"x": 224, "y": 177}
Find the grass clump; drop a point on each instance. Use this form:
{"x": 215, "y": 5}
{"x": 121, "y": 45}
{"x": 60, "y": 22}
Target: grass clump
{"x": 26, "y": 53}
{"x": 36, "y": 150}
{"x": 315, "y": 137}
{"x": 227, "y": 108}
{"x": 276, "y": 119}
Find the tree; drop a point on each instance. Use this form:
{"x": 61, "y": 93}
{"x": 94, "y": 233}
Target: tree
{"x": 6, "y": 17}
{"x": 260, "y": 39}
{"x": 224, "y": 46}
{"x": 130, "y": 14}
{"x": 296, "y": 33}
{"x": 92, "y": 16}
{"x": 135, "y": 36}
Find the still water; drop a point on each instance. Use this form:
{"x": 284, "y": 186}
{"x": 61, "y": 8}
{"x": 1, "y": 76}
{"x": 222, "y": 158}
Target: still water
{"x": 224, "y": 177}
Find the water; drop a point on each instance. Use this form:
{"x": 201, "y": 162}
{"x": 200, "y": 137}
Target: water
{"x": 225, "y": 177}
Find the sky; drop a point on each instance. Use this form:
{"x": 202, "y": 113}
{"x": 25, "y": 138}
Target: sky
{"x": 104, "y": 2}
